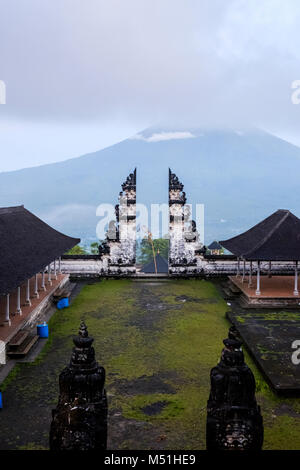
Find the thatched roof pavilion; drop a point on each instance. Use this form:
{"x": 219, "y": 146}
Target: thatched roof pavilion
{"x": 27, "y": 246}
{"x": 276, "y": 238}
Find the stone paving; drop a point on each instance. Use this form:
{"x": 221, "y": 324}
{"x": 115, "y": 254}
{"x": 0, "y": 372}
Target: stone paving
{"x": 157, "y": 342}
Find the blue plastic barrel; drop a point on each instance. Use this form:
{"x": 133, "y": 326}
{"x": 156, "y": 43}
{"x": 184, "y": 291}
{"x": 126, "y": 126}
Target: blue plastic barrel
{"x": 63, "y": 303}
{"x": 1, "y": 405}
{"x": 42, "y": 331}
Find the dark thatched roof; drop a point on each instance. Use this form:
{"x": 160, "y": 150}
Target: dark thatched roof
{"x": 276, "y": 238}
{"x": 161, "y": 263}
{"x": 27, "y": 245}
{"x": 215, "y": 246}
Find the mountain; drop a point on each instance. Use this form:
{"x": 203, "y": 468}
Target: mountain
{"x": 240, "y": 177}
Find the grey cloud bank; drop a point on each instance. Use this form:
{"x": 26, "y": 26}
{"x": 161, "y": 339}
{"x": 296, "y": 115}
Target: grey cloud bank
{"x": 193, "y": 63}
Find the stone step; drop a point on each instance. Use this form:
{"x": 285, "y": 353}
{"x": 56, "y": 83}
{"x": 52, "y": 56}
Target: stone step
{"x": 18, "y": 339}
{"x": 61, "y": 294}
{"x": 234, "y": 289}
{"x": 228, "y": 294}
{"x": 224, "y": 284}
{"x": 25, "y": 347}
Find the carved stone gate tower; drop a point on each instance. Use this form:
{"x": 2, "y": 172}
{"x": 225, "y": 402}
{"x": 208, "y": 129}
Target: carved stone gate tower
{"x": 185, "y": 248}
{"x": 118, "y": 253}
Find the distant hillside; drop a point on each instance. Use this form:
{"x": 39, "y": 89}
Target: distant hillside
{"x": 241, "y": 177}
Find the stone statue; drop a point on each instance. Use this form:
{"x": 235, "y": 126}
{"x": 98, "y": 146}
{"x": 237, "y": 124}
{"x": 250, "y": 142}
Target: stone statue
{"x": 113, "y": 231}
{"x": 191, "y": 233}
{"x": 79, "y": 422}
{"x": 234, "y": 421}
{"x": 103, "y": 249}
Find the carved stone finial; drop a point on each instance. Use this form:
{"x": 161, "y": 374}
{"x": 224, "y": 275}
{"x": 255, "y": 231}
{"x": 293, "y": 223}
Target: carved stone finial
{"x": 83, "y": 331}
{"x": 234, "y": 421}
{"x": 174, "y": 183}
{"x": 130, "y": 183}
{"x": 82, "y": 341}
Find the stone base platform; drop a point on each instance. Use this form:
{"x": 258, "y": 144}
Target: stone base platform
{"x": 269, "y": 338}
{"x": 275, "y": 292}
{"x": 29, "y": 313}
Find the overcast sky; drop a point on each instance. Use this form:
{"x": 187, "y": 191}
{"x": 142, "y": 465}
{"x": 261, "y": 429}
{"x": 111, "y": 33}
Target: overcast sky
{"x": 83, "y": 74}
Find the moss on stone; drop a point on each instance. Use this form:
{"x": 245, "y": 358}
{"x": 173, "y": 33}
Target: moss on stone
{"x": 32, "y": 446}
{"x": 240, "y": 319}
{"x": 11, "y": 376}
{"x": 171, "y": 330}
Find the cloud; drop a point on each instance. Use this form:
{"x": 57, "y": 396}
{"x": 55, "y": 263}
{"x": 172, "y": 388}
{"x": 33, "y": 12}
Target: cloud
{"x": 214, "y": 62}
{"x": 187, "y": 64}
{"x": 160, "y": 136}
{"x": 67, "y": 213}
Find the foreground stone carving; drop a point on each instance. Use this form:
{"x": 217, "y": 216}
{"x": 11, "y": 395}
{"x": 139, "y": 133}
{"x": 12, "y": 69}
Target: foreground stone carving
{"x": 80, "y": 418}
{"x": 234, "y": 421}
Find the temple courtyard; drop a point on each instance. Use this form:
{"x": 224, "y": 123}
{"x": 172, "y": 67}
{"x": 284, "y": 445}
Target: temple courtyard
{"x": 158, "y": 341}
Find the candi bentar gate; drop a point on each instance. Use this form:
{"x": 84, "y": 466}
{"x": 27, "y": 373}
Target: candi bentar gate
{"x": 118, "y": 251}
{"x": 188, "y": 256}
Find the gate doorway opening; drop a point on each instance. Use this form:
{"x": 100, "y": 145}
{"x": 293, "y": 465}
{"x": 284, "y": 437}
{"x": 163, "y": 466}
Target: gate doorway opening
{"x": 154, "y": 255}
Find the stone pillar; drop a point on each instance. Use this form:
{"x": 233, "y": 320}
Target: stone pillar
{"x": 118, "y": 252}
{"x": 234, "y": 420}
{"x": 43, "y": 287}
{"x": 36, "y": 287}
{"x": 257, "y": 292}
{"x": 28, "y": 301}
{"x": 59, "y": 265}
{"x": 49, "y": 275}
{"x": 238, "y": 267}
{"x": 250, "y": 275}
{"x": 244, "y": 269}
{"x": 79, "y": 422}
{"x": 2, "y": 352}
{"x": 19, "y": 310}
{"x": 54, "y": 270}
{"x": 185, "y": 247}
{"x": 296, "y": 292}
{"x": 7, "y": 317}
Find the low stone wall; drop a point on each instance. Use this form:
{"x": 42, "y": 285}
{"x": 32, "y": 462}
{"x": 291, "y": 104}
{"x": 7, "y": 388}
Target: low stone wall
{"x": 272, "y": 302}
{"x": 81, "y": 267}
{"x": 214, "y": 266}
{"x": 93, "y": 268}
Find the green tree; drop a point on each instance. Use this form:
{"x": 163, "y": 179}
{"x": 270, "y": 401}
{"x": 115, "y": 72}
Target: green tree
{"x": 161, "y": 245}
{"x": 94, "y": 248}
{"x": 76, "y": 250}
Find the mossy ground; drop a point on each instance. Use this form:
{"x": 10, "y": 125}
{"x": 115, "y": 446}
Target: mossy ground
{"x": 157, "y": 342}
